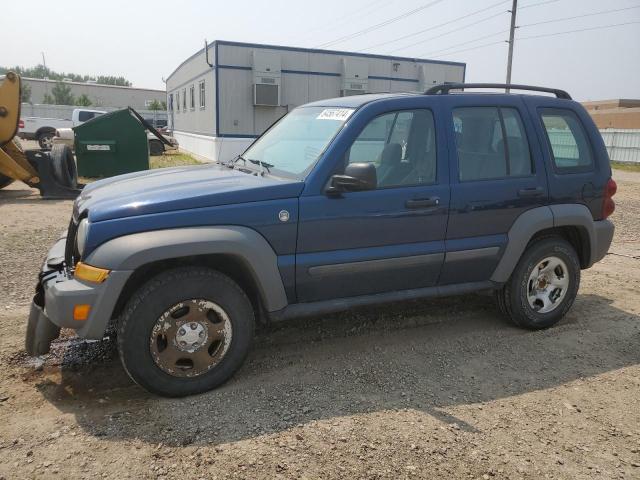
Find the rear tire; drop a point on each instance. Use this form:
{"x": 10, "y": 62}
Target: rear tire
{"x": 63, "y": 165}
{"x": 155, "y": 148}
{"x": 155, "y": 331}
{"x": 543, "y": 286}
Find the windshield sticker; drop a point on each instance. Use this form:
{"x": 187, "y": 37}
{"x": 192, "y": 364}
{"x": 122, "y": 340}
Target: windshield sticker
{"x": 341, "y": 114}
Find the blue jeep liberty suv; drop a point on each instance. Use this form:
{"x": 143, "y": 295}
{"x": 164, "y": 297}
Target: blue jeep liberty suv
{"x": 341, "y": 203}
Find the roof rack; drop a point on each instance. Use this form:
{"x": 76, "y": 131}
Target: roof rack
{"x": 446, "y": 87}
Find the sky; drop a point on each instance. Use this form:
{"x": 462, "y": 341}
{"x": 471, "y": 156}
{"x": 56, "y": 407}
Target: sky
{"x": 145, "y": 41}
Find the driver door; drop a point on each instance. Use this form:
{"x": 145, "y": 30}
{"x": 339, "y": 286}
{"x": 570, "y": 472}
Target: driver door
{"x": 388, "y": 238}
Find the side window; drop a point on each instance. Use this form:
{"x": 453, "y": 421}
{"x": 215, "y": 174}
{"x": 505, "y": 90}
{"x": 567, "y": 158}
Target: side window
{"x": 401, "y": 145}
{"x": 184, "y": 99}
{"x": 569, "y": 145}
{"x": 202, "y": 93}
{"x": 84, "y": 116}
{"x": 491, "y": 143}
{"x": 178, "y": 101}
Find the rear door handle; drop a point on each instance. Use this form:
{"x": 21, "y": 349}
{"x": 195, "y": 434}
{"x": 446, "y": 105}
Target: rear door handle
{"x": 423, "y": 202}
{"x": 531, "y": 192}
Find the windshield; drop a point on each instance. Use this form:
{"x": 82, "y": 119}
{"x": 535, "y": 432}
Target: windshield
{"x": 294, "y": 143}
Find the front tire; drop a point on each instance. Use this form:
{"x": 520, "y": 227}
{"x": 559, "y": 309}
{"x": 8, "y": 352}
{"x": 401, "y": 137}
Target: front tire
{"x": 543, "y": 286}
{"x": 186, "y": 331}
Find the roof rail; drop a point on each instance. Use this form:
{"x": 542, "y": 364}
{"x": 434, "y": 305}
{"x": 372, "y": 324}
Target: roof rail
{"x": 446, "y": 87}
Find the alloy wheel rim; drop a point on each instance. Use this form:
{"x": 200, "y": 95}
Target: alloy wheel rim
{"x": 190, "y": 338}
{"x": 547, "y": 285}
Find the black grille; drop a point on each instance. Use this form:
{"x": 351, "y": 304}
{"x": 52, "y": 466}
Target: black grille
{"x": 70, "y": 254}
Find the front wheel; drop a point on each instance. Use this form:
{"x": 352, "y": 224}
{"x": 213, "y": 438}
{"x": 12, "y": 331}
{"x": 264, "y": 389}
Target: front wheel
{"x": 186, "y": 331}
{"x": 543, "y": 285}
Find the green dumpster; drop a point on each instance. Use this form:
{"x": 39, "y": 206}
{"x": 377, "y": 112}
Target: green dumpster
{"x": 111, "y": 144}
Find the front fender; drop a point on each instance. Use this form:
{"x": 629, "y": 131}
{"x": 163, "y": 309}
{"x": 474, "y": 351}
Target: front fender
{"x": 130, "y": 252}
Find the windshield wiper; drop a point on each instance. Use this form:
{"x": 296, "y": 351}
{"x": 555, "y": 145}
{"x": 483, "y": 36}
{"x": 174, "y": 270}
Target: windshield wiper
{"x": 262, "y": 164}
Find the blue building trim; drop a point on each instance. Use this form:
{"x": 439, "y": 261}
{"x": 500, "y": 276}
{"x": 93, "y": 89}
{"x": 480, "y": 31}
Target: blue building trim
{"x": 217, "y": 77}
{"x": 326, "y": 74}
{"x": 393, "y": 79}
{"x": 215, "y": 44}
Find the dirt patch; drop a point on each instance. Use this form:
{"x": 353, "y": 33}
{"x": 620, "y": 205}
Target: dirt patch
{"x": 440, "y": 388}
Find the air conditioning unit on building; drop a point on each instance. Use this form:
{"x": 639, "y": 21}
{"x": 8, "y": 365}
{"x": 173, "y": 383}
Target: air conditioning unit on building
{"x": 435, "y": 74}
{"x": 267, "y": 78}
{"x": 355, "y": 77}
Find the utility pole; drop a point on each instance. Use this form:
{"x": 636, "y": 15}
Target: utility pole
{"x": 512, "y": 31}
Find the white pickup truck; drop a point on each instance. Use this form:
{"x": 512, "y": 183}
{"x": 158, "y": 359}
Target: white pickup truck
{"x": 44, "y": 129}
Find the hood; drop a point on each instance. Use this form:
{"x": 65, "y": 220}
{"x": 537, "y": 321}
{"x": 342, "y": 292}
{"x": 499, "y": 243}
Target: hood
{"x": 180, "y": 188}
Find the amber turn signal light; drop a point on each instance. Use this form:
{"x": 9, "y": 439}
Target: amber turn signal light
{"x": 81, "y": 312}
{"x": 90, "y": 273}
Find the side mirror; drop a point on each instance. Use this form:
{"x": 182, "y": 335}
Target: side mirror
{"x": 357, "y": 177}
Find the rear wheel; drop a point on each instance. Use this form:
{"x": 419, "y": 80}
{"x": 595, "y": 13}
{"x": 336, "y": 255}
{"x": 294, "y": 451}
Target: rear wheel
{"x": 186, "y": 331}
{"x": 45, "y": 139}
{"x": 64, "y": 166}
{"x": 543, "y": 285}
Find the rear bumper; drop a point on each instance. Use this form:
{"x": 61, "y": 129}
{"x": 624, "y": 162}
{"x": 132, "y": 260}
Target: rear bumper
{"x": 57, "y": 293}
{"x": 603, "y": 235}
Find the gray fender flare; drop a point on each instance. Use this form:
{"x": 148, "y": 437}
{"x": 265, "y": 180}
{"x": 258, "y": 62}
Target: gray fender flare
{"x": 130, "y": 252}
{"x": 540, "y": 218}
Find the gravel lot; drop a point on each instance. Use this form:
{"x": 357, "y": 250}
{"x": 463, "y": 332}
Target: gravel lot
{"x": 444, "y": 388}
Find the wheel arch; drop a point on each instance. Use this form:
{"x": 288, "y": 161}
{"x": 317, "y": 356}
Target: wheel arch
{"x": 573, "y": 222}
{"x": 238, "y": 252}
{"x": 42, "y": 130}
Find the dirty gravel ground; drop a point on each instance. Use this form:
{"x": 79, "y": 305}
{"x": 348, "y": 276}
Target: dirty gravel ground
{"x": 436, "y": 389}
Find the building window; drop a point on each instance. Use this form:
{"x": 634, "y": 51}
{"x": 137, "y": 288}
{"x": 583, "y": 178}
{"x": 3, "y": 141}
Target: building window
{"x": 184, "y": 99}
{"x": 178, "y": 101}
{"x": 170, "y": 102}
{"x": 192, "y": 97}
{"x": 202, "y": 97}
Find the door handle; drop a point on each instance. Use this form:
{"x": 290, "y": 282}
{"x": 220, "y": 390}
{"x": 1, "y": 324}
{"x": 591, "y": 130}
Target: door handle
{"x": 423, "y": 202}
{"x": 531, "y": 192}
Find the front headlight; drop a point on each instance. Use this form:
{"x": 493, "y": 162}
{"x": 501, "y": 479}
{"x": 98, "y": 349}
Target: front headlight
{"x": 81, "y": 235}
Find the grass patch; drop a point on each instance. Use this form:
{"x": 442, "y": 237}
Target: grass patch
{"x": 173, "y": 159}
{"x": 627, "y": 167}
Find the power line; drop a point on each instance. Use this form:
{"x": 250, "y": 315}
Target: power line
{"x": 469, "y": 49}
{"x": 578, "y": 30}
{"x": 602, "y": 12}
{"x": 435, "y": 26}
{"x": 463, "y": 43}
{"x": 566, "y": 32}
{"x": 369, "y": 8}
{"x": 449, "y": 32}
{"x": 379, "y": 25}
{"x": 538, "y": 4}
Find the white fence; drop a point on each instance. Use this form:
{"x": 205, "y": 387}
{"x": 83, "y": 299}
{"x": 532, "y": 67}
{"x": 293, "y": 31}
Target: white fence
{"x": 622, "y": 145}
{"x": 65, "y": 111}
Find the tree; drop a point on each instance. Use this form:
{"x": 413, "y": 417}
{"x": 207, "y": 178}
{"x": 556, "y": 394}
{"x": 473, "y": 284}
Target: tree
{"x": 83, "y": 101}
{"x": 62, "y": 94}
{"x": 25, "y": 94}
{"x": 164, "y": 105}
{"x": 155, "y": 106}
{"x": 40, "y": 71}
{"x": 48, "y": 99}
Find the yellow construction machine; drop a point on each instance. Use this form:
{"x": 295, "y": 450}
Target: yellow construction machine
{"x": 53, "y": 173}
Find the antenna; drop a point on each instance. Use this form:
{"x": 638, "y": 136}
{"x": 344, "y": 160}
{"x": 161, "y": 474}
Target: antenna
{"x": 206, "y": 53}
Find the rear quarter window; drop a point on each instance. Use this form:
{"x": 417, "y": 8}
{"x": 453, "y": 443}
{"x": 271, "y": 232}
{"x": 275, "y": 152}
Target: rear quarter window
{"x": 568, "y": 143}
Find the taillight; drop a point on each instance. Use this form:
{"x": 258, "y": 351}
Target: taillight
{"x": 21, "y": 124}
{"x": 608, "y": 205}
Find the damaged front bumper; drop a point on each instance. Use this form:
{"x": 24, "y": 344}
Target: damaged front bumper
{"x": 58, "y": 292}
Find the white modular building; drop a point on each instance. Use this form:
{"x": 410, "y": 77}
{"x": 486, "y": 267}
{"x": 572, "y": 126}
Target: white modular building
{"x": 225, "y": 95}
